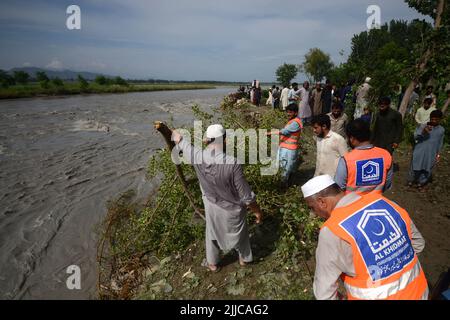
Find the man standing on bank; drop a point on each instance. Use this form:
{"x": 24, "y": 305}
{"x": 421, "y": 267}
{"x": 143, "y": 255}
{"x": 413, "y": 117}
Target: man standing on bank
{"x": 368, "y": 241}
{"x": 289, "y": 144}
{"x": 366, "y": 168}
{"x": 330, "y": 146}
{"x": 388, "y": 128}
{"x": 226, "y": 196}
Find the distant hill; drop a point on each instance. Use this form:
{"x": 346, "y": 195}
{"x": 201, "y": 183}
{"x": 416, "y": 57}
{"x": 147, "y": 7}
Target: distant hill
{"x": 62, "y": 74}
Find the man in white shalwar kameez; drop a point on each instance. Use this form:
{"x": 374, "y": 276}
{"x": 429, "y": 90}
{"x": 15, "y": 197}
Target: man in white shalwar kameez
{"x": 226, "y": 196}
{"x": 304, "y": 110}
{"x": 284, "y": 98}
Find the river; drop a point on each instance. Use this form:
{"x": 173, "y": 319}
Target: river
{"x": 61, "y": 160}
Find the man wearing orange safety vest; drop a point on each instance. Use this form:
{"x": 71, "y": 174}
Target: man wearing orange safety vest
{"x": 289, "y": 143}
{"x": 367, "y": 241}
{"x": 366, "y": 168}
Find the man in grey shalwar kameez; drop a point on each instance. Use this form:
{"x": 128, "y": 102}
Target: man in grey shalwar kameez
{"x": 226, "y": 195}
{"x": 429, "y": 140}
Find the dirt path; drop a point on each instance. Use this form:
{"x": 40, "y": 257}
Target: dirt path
{"x": 430, "y": 212}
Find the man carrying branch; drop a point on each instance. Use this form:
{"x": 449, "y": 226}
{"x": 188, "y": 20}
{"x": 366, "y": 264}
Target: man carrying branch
{"x": 226, "y": 196}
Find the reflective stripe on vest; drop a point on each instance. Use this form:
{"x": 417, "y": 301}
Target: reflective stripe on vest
{"x": 367, "y": 170}
{"x": 291, "y": 141}
{"x": 379, "y": 233}
{"x": 387, "y": 290}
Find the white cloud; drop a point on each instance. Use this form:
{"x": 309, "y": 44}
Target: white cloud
{"x": 55, "y": 64}
{"x": 201, "y": 39}
{"x": 98, "y": 65}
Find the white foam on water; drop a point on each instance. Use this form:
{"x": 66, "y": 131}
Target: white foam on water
{"x": 89, "y": 125}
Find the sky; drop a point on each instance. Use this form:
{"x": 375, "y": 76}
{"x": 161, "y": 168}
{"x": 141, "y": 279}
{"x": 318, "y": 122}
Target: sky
{"x": 184, "y": 39}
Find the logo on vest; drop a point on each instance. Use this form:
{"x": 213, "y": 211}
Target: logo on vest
{"x": 369, "y": 172}
{"x": 379, "y": 228}
{"x": 382, "y": 238}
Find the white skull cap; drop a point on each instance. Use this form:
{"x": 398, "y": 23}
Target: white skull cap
{"x": 215, "y": 131}
{"x": 316, "y": 185}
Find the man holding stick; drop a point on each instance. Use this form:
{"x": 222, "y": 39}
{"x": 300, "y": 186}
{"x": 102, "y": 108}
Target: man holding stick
{"x": 226, "y": 196}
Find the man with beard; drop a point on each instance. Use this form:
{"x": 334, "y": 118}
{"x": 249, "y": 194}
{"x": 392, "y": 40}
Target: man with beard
{"x": 330, "y": 146}
{"x": 388, "y": 129}
{"x": 338, "y": 118}
{"x": 366, "y": 168}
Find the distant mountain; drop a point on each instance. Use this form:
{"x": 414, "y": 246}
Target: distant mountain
{"x": 62, "y": 74}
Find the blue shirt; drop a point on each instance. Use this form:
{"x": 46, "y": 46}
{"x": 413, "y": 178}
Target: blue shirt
{"x": 293, "y": 127}
{"x": 292, "y": 96}
{"x": 342, "y": 174}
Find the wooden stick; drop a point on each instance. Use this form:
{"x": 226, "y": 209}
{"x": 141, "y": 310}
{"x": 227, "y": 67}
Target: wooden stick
{"x": 167, "y": 134}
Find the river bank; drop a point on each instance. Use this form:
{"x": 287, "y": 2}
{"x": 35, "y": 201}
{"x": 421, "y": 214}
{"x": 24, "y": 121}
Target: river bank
{"x": 283, "y": 245}
{"x": 70, "y": 88}
{"x": 156, "y": 251}
{"x": 61, "y": 160}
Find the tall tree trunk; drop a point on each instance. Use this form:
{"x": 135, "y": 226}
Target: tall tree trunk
{"x": 423, "y": 62}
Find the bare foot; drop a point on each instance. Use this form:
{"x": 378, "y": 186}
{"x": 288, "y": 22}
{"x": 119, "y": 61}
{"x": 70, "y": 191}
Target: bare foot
{"x": 213, "y": 268}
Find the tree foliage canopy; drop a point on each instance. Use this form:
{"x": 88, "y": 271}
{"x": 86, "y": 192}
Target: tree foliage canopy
{"x": 21, "y": 77}
{"x": 317, "y": 64}
{"x": 285, "y": 73}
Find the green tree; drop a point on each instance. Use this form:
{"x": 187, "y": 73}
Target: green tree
{"x": 285, "y": 73}
{"x": 21, "y": 77}
{"x": 83, "y": 83}
{"x": 120, "y": 81}
{"x": 101, "y": 80}
{"x": 434, "y": 61}
{"x": 6, "y": 80}
{"x": 42, "y": 78}
{"x": 317, "y": 64}
{"x": 57, "y": 82}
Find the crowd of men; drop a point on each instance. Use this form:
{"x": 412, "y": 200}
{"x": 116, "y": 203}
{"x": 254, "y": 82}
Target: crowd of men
{"x": 325, "y": 109}
{"x": 367, "y": 240}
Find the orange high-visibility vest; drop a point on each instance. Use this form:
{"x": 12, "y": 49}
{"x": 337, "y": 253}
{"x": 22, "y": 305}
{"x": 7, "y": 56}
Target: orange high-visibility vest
{"x": 386, "y": 266}
{"x": 367, "y": 170}
{"x": 291, "y": 141}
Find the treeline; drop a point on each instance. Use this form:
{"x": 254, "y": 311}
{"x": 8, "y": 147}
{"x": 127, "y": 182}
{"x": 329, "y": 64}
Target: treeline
{"x": 399, "y": 55}
{"x": 23, "y": 78}
{"x": 233, "y": 83}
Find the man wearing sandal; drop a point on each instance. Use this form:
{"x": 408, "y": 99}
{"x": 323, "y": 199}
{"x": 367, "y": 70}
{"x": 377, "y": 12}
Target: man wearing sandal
{"x": 226, "y": 196}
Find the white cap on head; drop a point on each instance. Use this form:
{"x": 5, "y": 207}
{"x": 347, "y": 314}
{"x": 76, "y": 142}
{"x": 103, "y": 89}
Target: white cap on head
{"x": 215, "y": 131}
{"x": 316, "y": 185}
{"x": 368, "y": 79}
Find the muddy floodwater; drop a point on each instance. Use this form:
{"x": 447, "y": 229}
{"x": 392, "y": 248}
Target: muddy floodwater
{"x": 61, "y": 160}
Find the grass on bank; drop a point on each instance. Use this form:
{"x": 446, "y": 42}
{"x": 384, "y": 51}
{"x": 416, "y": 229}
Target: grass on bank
{"x": 155, "y": 251}
{"x": 70, "y": 88}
